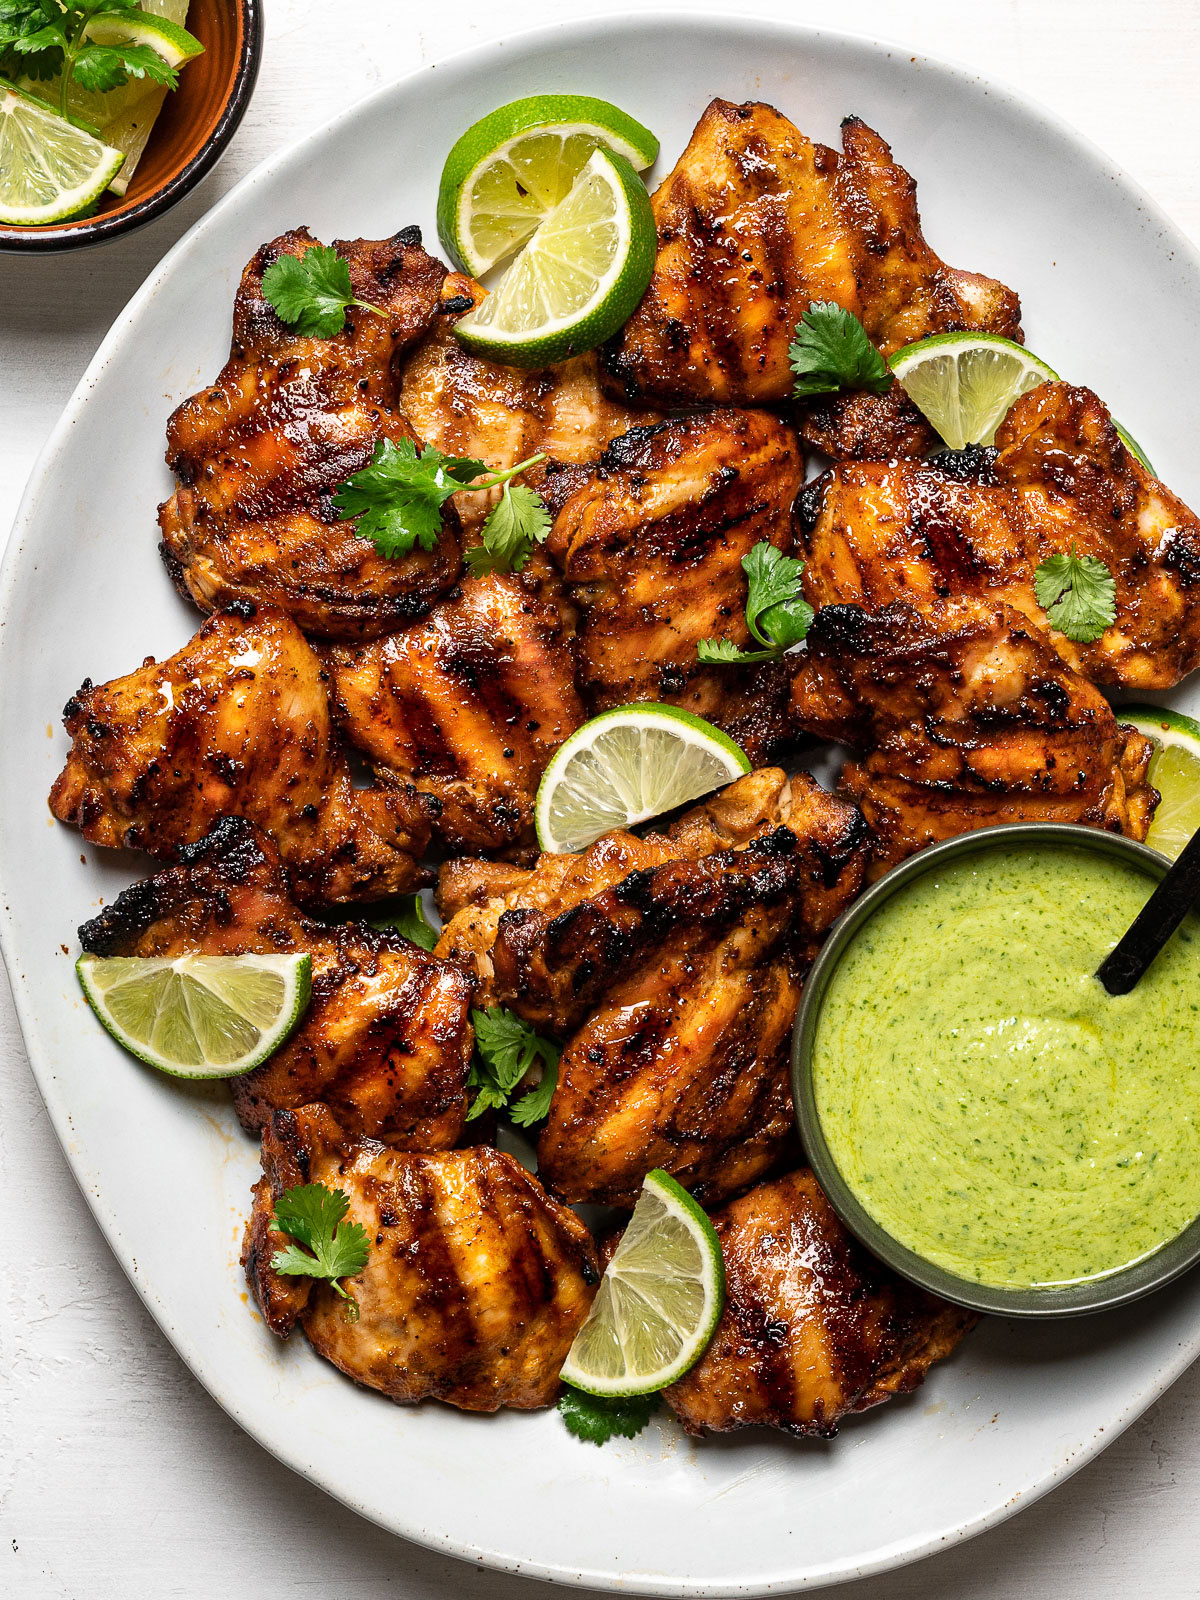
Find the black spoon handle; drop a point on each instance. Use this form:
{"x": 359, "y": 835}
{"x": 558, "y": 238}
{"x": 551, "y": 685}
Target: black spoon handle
{"x": 1166, "y": 908}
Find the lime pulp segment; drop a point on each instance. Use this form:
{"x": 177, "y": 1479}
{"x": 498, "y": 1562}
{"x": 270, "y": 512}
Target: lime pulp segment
{"x": 965, "y": 383}
{"x": 50, "y": 170}
{"x": 1174, "y": 772}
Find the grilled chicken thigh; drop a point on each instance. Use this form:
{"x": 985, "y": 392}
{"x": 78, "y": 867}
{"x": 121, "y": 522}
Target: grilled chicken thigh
{"x": 813, "y": 1328}
{"x": 672, "y": 966}
{"x": 982, "y": 521}
{"x": 468, "y": 406}
{"x": 756, "y": 223}
{"x": 467, "y": 706}
{"x": 969, "y": 717}
{"x": 476, "y": 1282}
{"x": 650, "y": 541}
{"x": 238, "y": 721}
{"x": 386, "y": 1040}
{"x": 259, "y": 454}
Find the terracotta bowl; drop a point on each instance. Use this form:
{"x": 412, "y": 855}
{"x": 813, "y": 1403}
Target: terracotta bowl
{"x": 195, "y": 124}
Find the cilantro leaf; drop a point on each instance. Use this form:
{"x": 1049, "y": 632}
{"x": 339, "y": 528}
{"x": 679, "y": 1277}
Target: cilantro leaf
{"x": 596, "y": 1419}
{"x": 312, "y": 292}
{"x": 1078, "y": 594}
{"x": 312, "y": 1214}
{"x": 103, "y": 67}
{"x": 506, "y": 1050}
{"x": 517, "y": 521}
{"x": 408, "y": 918}
{"x": 831, "y": 351}
{"x": 777, "y": 614}
{"x": 50, "y": 37}
{"x": 398, "y": 497}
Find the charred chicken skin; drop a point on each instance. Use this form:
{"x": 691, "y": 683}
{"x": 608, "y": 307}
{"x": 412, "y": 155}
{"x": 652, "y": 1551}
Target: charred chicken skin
{"x": 814, "y": 1328}
{"x": 650, "y": 541}
{"x": 386, "y": 1040}
{"x": 475, "y": 1284}
{"x": 237, "y": 722}
{"x": 672, "y": 966}
{"x": 982, "y": 521}
{"x": 467, "y": 706}
{"x": 755, "y": 224}
{"x": 968, "y": 717}
{"x": 259, "y": 454}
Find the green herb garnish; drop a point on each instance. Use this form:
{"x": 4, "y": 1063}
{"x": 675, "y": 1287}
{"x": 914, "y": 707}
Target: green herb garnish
{"x": 312, "y": 292}
{"x": 777, "y": 614}
{"x": 831, "y": 351}
{"x": 313, "y": 1214}
{"x": 597, "y": 1419}
{"x": 407, "y": 916}
{"x": 506, "y": 1050}
{"x": 1078, "y": 594}
{"x": 49, "y": 37}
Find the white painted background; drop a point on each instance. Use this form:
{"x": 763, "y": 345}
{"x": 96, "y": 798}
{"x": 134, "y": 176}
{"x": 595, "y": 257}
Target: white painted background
{"x": 119, "y": 1478}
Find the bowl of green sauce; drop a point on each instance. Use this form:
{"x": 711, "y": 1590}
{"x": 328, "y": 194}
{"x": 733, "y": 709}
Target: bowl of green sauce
{"x": 984, "y": 1116}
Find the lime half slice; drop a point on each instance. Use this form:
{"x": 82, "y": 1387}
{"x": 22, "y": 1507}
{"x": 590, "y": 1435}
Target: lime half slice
{"x": 1134, "y": 448}
{"x": 198, "y": 1016}
{"x": 626, "y": 766}
{"x": 579, "y": 277}
{"x": 1174, "y": 772}
{"x": 511, "y": 169}
{"x": 50, "y": 170}
{"x": 658, "y": 1301}
{"x": 965, "y": 383}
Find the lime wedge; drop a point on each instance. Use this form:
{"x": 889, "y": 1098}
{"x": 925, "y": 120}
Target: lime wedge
{"x": 626, "y": 766}
{"x": 511, "y": 169}
{"x": 198, "y": 1016}
{"x": 579, "y": 277}
{"x": 658, "y": 1301}
{"x": 965, "y": 383}
{"x": 50, "y": 170}
{"x": 1174, "y": 772}
{"x": 1134, "y": 448}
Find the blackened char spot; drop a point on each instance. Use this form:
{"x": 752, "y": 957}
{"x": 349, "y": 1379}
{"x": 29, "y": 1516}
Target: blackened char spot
{"x": 973, "y": 465}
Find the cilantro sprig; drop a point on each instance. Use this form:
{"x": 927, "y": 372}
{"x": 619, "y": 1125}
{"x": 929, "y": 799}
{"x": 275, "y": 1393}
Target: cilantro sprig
{"x": 398, "y": 499}
{"x": 47, "y": 37}
{"x": 1078, "y": 594}
{"x": 831, "y": 351}
{"x": 598, "y": 1419}
{"x": 312, "y": 292}
{"x": 407, "y": 916}
{"x": 506, "y": 1051}
{"x": 312, "y": 1214}
{"x": 777, "y": 614}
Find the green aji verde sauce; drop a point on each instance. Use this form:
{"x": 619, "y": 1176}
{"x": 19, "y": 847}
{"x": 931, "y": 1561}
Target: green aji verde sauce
{"x": 987, "y": 1101}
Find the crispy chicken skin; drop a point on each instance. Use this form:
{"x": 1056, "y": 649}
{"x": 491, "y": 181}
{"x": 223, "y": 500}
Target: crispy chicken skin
{"x": 672, "y": 966}
{"x": 476, "y": 1283}
{"x": 755, "y": 223}
{"x": 970, "y": 718}
{"x": 468, "y": 406}
{"x": 386, "y": 1040}
{"x": 467, "y": 706}
{"x": 650, "y": 542}
{"x": 981, "y": 521}
{"x": 258, "y": 455}
{"x": 238, "y": 721}
{"x": 814, "y": 1328}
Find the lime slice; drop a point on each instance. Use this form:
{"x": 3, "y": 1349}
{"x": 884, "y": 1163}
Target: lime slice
{"x": 50, "y": 170}
{"x": 626, "y": 766}
{"x": 1134, "y": 447}
{"x": 167, "y": 39}
{"x": 579, "y": 277}
{"x": 964, "y": 383}
{"x": 658, "y": 1301}
{"x": 1174, "y": 772}
{"x": 511, "y": 169}
{"x": 198, "y": 1016}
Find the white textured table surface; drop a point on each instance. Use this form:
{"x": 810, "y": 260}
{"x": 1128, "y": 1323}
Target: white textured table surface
{"x": 119, "y": 1478}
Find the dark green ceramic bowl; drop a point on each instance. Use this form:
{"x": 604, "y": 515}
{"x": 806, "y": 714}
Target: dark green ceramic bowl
{"x": 1096, "y": 1294}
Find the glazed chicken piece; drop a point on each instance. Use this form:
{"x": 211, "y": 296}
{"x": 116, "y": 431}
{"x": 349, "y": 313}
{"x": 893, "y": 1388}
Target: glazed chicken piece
{"x": 259, "y": 454}
{"x": 814, "y": 1328}
{"x": 969, "y": 718}
{"x": 650, "y": 541}
{"x": 467, "y": 706}
{"x": 386, "y": 1040}
{"x": 982, "y": 521}
{"x": 672, "y": 966}
{"x": 467, "y": 406}
{"x": 755, "y": 224}
{"x": 475, "y": 1285}
{"x": 237, "y": 722}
